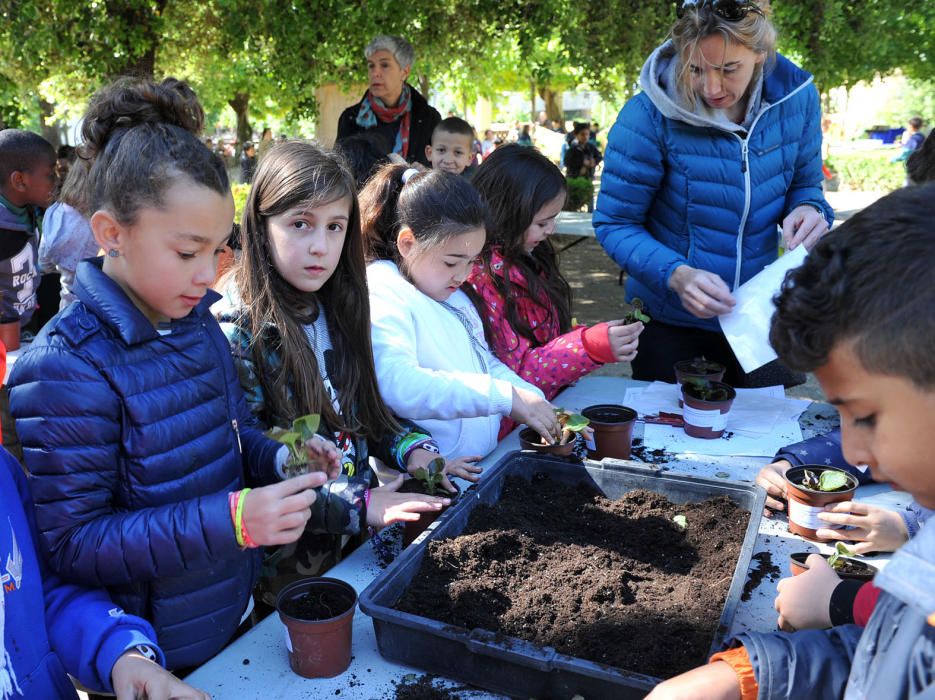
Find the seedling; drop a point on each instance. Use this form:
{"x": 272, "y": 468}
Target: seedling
{"x": 636, "y": 313}
{"x": 431, "y": 475}
{"x": 829, "y": 480}
{"x": 571, "y": 423}
{"x": 681, "y": 521}
{"x": 706, "y": 390}
{"x": 303, "y": 429}
{"x": 836, "y": 561}
{"x": 700, "y": 365}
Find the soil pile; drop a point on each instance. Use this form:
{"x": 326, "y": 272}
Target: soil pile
{"x": 616, "y": 582}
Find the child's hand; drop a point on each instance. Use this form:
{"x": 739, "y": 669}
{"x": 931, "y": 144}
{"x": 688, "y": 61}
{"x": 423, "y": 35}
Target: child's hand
{"x": 277, "y": 514}
{"x": 464, "y": 467}
{"x": 537, "y": 413}
{"x": 875, "y": 529}
{"x": 803, "y": 601}
{"x": 772, "y": 478}
{"x": 623, "y": 339}
{"x": 388, "y": 507}
{"x": 323, "y": 455}
{"x": 715, "y": 681}
{"x": 135, "y": 676}
{"x": 804, "y": 225}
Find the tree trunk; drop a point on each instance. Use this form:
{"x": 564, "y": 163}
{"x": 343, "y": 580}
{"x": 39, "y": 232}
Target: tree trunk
{"x": 50, "y": 132}
{"x": 241, "y": 105}
{"x": 553, "y": 103}
{"x": 146, "y": 17}
{"x": 533, "y": 117}
{"x": 424, "y": 85}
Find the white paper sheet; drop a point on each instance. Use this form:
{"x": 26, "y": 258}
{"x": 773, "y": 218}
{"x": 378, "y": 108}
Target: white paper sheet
{"x": 747, "y": 325}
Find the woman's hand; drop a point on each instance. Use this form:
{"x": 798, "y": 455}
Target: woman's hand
{"x": 875, "y": 529}
{"x": 804, "y": 225}
{"x": 703, "y": 293}
{"x": 323, "y": 455}
{"x": 387, "y": 506}
{"x": 803, "y": 602}
{"x": 537, "y": 413}
{"x": 136, "y": 677}
{"x": 624, "y": 339}
{"x": 715, "y": 681}
{"x": 772, "y": 478}
{"x": 277, "y": 514}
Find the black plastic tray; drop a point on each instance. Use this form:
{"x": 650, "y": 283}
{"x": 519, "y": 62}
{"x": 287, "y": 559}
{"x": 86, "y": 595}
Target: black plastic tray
{"x": 512, "y": 666}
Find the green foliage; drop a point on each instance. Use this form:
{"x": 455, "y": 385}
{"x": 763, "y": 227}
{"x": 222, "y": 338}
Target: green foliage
{"x": 869, "y": 171}
{"x": 829, "y": 480}
{"x": 580, "y": 192}
{"x": 681, "y": 521}
{"x": 303, "y": 429}
{"x": 431, "y": 475}
{"x": 835, "y": 561}
{"x": 705, "y": 390}
{"x": 636, "y": 313}
{"x": 240, "y": 192}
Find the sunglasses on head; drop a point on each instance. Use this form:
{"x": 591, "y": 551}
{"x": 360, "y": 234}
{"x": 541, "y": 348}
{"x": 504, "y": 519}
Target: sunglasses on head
{"x": 730, "y": 10}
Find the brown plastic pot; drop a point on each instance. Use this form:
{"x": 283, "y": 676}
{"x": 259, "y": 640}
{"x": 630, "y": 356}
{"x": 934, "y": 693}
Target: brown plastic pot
{"x": 613, "y": 430}
{"x": 320, "y": 647}
{"x": 857, "y": 570}
{"x": 9, "y": 335}
{"x": 804, "y": 504}
{"x": 529, "y": 439}
{"x": 413, "y": 528}
{"x": 684, "y": 372}
{"x": 706, "y": 419}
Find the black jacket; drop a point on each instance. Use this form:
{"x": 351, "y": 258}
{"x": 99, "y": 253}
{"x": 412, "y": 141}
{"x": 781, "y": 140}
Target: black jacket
{"x": 424, "y": 119}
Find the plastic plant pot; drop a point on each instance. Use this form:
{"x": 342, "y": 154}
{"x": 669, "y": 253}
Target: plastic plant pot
{"x": 317, "y": 616}
{"x": 529, "y": 439}
{"x": 706, "y": 418}
{"x": 805, "y": 504}
{"x": 684, "y": 371}
{"x": 413, "y": 528}
{"x": 854, "y": 569}
{"x": 613, "y": 430}
{"x": 9, "y": 334}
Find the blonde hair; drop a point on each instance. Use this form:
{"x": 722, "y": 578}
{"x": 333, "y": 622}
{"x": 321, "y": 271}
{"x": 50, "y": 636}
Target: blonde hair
{"x": 754, "y": 31}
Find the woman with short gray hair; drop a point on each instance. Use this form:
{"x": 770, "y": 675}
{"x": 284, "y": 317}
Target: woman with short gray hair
{"x": 392, "y": 107}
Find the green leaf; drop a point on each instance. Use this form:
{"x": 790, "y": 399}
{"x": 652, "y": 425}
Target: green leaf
{"x": 832, "y": 480}
{"x": 422, "y": 474}
{"x": 307, "y": 426}
{"x": 436, "y": 468}
{"x": 681, "y": 521}
{"x": 576, "y": 422}
{"x": 843, "y": 550}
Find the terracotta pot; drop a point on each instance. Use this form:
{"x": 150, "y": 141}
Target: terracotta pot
{"x": 413, "y": 528}
{"x": 706, "y": 419}
{"x": 318, "y": 648}
{"x": 9, "y": 335}
{"x": 804, "y": 504}
{"x": 529, "y": 439}
{"x": 684, "y": 372}
{"x": 860, "y": 571}
{"x": 613, "y": 430}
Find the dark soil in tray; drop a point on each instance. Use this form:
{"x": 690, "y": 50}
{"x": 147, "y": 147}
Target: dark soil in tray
{"x": 615, "y": 582}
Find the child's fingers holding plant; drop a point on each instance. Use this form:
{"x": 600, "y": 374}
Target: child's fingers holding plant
{"x": 874, "y": 529}
{"x": 772, "y": 478}
{"x": 464, "y": 467}
{"x": 277, "y": 514}
{"x": 323, "y": 455}
{"x": 388, "y": 506}
{"x": 537, "y": 413}
{"x": 803, "y": 601}
{"x": 624, "y": 339}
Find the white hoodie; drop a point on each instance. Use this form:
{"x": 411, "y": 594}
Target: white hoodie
{"x": 431, "y": 370}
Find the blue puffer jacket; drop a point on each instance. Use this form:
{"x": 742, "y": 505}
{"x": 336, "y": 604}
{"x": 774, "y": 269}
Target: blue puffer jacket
{"x": 131, "y": 440}
{"x": 684, "y": 188}
{"x": 893, "y": 657}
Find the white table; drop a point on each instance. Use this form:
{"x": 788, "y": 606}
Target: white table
{"x": 574, "y": 223}
{"x": 257, "y": 666}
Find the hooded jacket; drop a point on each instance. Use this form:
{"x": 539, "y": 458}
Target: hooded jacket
{"x": 684, "y": 186}
{"x": 133, "y": 438}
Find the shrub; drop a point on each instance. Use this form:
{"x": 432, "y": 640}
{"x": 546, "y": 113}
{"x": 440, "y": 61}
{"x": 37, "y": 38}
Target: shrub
{"x": 580, "y": 193}
{"x": 868, "y": 170}
{"x": 240, "y": 199}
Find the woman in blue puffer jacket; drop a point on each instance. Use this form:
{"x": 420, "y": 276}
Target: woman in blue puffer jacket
{"x": 721, "y": 148}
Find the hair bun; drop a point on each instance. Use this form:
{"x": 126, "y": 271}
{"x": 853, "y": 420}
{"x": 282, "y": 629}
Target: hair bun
{"x": 130, "y": 102}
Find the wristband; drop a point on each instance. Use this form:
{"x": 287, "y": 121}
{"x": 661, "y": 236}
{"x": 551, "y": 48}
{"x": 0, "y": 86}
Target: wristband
{"x": 232, "y": 498}
{"x": 238, "y": 520}
{"x": 146, "y": 651}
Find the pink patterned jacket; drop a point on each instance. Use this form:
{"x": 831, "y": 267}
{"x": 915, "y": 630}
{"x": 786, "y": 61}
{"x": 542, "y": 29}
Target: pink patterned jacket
{"x": 556, "y": 360}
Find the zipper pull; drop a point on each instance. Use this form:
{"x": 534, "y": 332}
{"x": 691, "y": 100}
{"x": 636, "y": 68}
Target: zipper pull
{"x": 237, "y": 433}
{"x": 743, "y": 157}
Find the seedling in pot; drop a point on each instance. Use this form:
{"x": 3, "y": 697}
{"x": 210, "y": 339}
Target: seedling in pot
{"x": 572, "y": 423}
{"x": 432, "y": 476}
{"x": 836, "y": 561}
{"x": 706, "y": 390}
{"x": 700, "y": 365}
{"x": 304, "y": 428}
{"x": 830, "y": 480}
{"x": 636, "y": 313}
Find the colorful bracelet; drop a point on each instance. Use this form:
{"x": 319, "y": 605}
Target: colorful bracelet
{"x": 238, "y": 521}
{"x": 232, "y": 499}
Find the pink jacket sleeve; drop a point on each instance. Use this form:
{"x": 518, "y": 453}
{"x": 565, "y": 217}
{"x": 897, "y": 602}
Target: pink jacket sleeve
{"x": 550, "y": 366}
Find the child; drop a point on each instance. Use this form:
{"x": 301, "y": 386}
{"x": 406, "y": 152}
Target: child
{"x": 135, "y": 431}
{"x": 247, "y": 162}
{"x": 298, "y": 321}
{"x": 49, "y": 627}
{"x": 521, "y": 292}
{"x": 912, "y": 139}
{"x": 452, "y": 148}
{"x": 432, "y": 362}
{"x": 27, "y": 180}
{"x": 869, "y": 343}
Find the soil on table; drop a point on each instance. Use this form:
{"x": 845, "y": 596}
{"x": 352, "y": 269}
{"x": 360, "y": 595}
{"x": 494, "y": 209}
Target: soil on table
{"x": 317, "y": 605}
{"x": 765, "y": 569}
{"x": 615, "y": 582}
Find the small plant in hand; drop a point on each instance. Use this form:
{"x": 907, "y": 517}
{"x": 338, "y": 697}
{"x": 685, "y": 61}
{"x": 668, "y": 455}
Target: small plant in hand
{"x": 830, "y": 480}
{"x": 706, "y": 390}
{"x": 432, "y": 475}
{"x": 303, "y": 429}
{"x": 572, "y": 424}
{"x": 636, "y": 313}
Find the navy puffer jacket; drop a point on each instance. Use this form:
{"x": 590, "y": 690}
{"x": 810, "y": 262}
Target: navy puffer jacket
{"x": 131, "y": 440}
{"x": 684, "y": 188}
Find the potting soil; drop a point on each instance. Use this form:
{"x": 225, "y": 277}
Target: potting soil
{"x": 615, "y": 582}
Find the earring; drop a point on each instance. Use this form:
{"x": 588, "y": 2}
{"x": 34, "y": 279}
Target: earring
{"x": 114, "y": 253}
